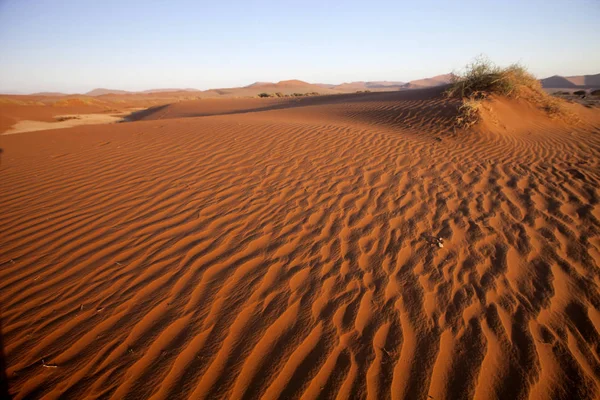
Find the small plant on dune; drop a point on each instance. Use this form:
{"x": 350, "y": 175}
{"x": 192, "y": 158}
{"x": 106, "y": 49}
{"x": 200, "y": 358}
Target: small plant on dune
{"x": 264, "y": 95}
{"x": 595, "y": 92}
{"x": 482, "y": 79}
{"x": 579, "y": 92}
{"x": 469, "y": 112}
{"x": 60, "y": 118}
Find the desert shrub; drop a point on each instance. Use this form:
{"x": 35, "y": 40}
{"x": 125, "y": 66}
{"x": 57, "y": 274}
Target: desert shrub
{"x": 279, "y": 94}
{"x": 60, "y": 118}
{"x": 579, "y": 92}
{"x": 595, "y": 92}
{"x": 305, "y": 94}
{"x": 264, "y": 95}
{"x": 482, "y": 78}
{"x": 561, "y": 93}
{"x": 469, "y": 112}
{"x": 552, "y": 106}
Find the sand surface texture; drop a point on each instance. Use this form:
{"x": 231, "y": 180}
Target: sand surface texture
{"x": 289, "y": 250}
{"x": 66, "y": 121}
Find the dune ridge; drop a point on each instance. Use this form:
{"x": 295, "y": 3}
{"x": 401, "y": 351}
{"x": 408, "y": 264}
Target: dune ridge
{"x": 230, "y": 251}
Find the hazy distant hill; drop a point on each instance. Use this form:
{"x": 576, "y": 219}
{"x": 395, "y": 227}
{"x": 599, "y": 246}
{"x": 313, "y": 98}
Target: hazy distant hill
{"x": 257, "y": 84}
{"x": 297, "y": 86}
{"x": 438, "y": 80}
{"x": 571, "y": 82}
{"x": 102, "y": 91}
{"x": 169, "y": 90}
{"x": 54, "y": 94}
{"x": 285, "y": 87}
{"x": 362, "y": 85}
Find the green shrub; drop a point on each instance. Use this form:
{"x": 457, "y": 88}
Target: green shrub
{"x": 264, "y": 95}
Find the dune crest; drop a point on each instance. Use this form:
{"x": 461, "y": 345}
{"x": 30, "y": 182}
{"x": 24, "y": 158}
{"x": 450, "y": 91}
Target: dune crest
{"x": 287, "y": 248}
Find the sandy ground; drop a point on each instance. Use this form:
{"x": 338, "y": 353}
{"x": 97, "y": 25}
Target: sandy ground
{"x": 67, "y": 121}
{"x": 292, "y": 252}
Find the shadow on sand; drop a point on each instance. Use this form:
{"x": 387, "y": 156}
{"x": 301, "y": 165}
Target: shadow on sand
{"x": 395, "y": 107}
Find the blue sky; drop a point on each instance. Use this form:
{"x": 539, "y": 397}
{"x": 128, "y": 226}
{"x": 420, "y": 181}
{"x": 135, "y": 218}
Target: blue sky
{"x": 75, "y": 46}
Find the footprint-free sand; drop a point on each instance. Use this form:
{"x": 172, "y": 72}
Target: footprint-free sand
{"x": 288, "y": 248}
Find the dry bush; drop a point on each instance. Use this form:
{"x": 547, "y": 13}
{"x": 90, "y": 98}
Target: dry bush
{"x": 469, "y": 113}
{"x": 482, "y": 78}
{"x": 60, "y": 118}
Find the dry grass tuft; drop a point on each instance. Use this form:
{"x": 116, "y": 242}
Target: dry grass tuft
{"x": 469, "y": 113}
{"x": 482, "y": 78}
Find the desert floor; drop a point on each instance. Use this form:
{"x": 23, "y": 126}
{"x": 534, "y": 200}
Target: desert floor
{"x": 287, "y": 248}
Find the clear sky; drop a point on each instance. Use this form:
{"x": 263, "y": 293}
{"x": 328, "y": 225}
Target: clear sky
{"x": 78, "y": 45}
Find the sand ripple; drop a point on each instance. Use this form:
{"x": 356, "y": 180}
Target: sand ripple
{"x": 288, "y": 253}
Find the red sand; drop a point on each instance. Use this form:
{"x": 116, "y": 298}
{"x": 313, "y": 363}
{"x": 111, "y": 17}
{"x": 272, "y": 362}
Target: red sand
{"x": 287, "y": 248}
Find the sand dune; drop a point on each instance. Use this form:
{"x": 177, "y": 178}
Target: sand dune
{"x": 371, "y": 86}
{"x": 287, "y": 248}
{"x": 438, "y": 80}
{"x": 46, "y": 108}
{"x": 67, "y": 121}
{"x": 572, "y": 82}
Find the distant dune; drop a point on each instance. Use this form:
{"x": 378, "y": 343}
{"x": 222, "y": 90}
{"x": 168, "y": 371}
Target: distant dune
{"x": 259, "y": 84}
{"x": 572, "y": 82}
{"x": 101, "y": 91}
{"x": 438, "y": 80}
{"x": 286, "y": 87}
{"x": 298, "y": 86}
{"x": 53, "y": 94}
{"x": 46, "y": 107}
{"x": 374, "y": 86}
{"x": 349, "y": 246}
{"x": 169, "y": 90}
